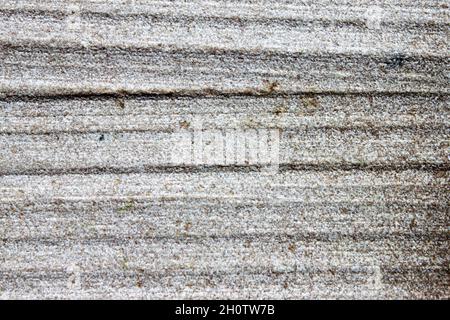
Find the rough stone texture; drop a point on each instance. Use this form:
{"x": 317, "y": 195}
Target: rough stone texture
{"x": 92, "y": 94}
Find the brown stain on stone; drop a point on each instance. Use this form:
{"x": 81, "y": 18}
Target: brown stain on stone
{"x": 185, "y": 124}
{"x": 310, "y": 104}
{"x": 441, "y": 174}
{"x": 270, "y": 86}
{"x": 292, "y": 247}
{"x": 120, "y": 102}
{"x": 279, "y": 110}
